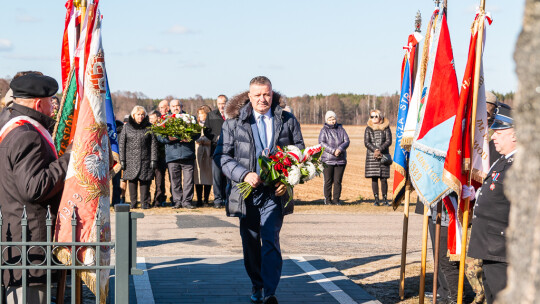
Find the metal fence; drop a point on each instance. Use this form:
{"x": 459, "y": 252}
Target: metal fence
{"x": 125, "y": 252}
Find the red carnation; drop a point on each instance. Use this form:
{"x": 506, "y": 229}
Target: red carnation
{"x": 278, "y": 167}
{"x": 279, "y": 155}
{"x": 287, "y": 162}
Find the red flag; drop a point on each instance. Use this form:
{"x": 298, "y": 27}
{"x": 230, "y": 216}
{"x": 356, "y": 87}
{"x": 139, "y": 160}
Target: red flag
{"x": 460, "y": 159}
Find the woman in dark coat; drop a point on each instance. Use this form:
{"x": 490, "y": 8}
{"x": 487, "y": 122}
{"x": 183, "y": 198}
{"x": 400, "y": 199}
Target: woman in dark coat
{"x": 138, "y": 156}
{"x": 335, "y": 142}
{"x": 377, "y": 140}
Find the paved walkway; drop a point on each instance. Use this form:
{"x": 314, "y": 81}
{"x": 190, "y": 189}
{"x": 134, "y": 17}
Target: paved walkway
{"x": 222, "y": 279}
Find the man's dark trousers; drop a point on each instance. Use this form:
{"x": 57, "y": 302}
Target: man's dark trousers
{"x": 448, "y": 274}
{"x": 263, "y": 262}
{"x": 220, "y": 185}
{"x": 182, "y": 193}
{"x": 494, "y": 278}
{"x": 159, "y": 194}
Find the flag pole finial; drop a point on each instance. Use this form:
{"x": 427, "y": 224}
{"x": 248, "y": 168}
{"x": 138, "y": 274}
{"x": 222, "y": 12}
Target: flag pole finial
{"x": 418, "y": 22}
{"x": 437, "y": 3}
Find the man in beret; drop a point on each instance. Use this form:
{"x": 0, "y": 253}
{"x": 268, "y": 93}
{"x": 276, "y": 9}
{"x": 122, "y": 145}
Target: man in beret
{"x": 32, "y": 177}
{"x": 492, "y": 208}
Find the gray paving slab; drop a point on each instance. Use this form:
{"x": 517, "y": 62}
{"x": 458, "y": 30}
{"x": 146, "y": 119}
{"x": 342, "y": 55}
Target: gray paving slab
{"x": 222, "y": 279}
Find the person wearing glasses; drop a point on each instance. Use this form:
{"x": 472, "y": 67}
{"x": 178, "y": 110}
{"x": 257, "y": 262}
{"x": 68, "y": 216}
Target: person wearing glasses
{"x": 377, "y": 140}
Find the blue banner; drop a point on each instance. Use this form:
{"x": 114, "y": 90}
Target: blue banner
{"x": 111, "y": 120}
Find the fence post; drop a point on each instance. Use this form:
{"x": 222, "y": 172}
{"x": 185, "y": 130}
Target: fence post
{"x": 122, "y": 256}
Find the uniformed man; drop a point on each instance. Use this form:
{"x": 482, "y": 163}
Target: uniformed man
{"x": 492, "y": 208}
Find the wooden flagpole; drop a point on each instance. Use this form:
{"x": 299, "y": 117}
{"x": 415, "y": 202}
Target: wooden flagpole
{"x": 436, "y": 250}
{"x": 78, "y": 285}
{"x": 424, "y": 256}
{"x": 417, "y": 25}
{"x": 477, "y": 65}
{"x": 404, "y": 239}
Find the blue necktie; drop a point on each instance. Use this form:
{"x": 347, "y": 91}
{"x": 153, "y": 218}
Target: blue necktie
{"x": 261, "y": 126}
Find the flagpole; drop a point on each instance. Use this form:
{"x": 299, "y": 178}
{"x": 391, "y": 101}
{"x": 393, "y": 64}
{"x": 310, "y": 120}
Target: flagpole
{"x": 436, "y": 250}
{"x": 78, "y": 285}
{"x": 417, "y": 28}
{"x": 424, "y": 256}
{"x": 404, "y": 239}
{"x": 478, "y": 64}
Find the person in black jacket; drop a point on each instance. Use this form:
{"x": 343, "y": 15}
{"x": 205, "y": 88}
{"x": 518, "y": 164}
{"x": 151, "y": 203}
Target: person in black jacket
{"x": 32, "y": 178}
{"x": 492, "y": 209}
{"x": 212, "y": 130}
{"x": 335, "y": 141}
{"x": 180, "y": 158}
{"x": 138, "y": 156}
{"x": 256, "y": 123}
{"x": 377, "y": 140}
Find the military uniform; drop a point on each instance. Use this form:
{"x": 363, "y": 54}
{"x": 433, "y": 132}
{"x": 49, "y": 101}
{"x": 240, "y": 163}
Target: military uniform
{"x": 490, "y": 220}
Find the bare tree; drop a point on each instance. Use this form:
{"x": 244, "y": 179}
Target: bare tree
{"x": 524, "y": 227}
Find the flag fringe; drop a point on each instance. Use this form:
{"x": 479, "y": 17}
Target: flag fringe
{"x": 406, "y": 142}
{"x": 452, "y": 182}
{"x": 429, "y": 150}
{"x": 89, "y": 279}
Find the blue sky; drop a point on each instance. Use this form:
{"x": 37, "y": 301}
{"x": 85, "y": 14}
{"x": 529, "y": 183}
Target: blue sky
{"x": 183, "y": 48}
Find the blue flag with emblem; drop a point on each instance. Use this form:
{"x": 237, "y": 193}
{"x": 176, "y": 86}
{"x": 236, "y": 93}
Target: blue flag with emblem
{"x": 401, "y": 156}
{"x": 111, "y": 126}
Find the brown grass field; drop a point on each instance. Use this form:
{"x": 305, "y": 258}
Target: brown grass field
{"x": 356, "y": 188}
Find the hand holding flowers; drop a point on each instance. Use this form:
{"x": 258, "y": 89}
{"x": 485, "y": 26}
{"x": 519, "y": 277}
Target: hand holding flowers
{"x": 284, "y": 169}
{"x": 177, "y": 126}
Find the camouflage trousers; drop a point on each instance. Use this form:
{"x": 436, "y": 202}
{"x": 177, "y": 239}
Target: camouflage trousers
{"x": 473, "y": 272}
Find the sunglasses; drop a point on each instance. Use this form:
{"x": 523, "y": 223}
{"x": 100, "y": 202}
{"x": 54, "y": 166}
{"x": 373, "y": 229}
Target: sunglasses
{"x": 376, "y": 116}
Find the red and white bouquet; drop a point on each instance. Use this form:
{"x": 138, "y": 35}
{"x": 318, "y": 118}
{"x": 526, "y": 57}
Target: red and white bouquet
{"x": 289, "y": 165}
{"x": 182, "y": 126}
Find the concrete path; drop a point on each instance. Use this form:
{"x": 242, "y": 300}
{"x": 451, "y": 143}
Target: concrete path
{"x": 196, "y": 258}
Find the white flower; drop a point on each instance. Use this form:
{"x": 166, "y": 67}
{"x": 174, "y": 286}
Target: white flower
{"x": 311, "y": 170}
{"x": 320, "y": 168}
{"x": 294, "y": 176}
{"x": 193, "y": 121}
{"x": 294, "y": 152}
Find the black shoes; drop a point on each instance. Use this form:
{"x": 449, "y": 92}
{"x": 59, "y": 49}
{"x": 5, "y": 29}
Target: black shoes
{"x": 257, "y": 297}
{"x": 270, "y": 300}
{"x": 177, "y": 206}
{"x": 385, "y": 200}
{"x": 377, "y": 203}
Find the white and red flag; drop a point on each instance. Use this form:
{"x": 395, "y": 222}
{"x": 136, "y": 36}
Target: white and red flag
{"x": 460, "y": 158}
{"x": 87, "y": 180}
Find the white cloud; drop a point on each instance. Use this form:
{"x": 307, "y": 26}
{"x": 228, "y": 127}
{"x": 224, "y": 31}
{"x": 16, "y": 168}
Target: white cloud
{"x": 28, "y": 19}
{"x": 5, "y": 45}
{"x": 179, "y": 30}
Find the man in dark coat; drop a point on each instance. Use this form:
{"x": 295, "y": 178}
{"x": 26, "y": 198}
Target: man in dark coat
{"x": 212, "y": 130}
{"x": 492, "y": 208}
{"x": 160, "y": 198}
{"x": 256, "y": 123}
{"x": 32, "y": 177}
{"x": 180, "y": 158}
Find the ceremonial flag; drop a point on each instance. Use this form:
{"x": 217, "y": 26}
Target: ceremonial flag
{"x": 411, "y": 121}
{"x": 86, "y": 189}
{"x": 460, "y": 159}
{"x": 111, "y": 127}
{"x": 401, "y": 157}
{"x": 437, "y": 115}
{"x": 69, "y": 41}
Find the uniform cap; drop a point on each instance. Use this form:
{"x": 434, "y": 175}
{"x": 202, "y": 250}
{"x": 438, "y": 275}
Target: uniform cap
{"x": 503, "y": 118}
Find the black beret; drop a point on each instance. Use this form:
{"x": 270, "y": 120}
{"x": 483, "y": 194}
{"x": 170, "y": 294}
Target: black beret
{"x": 33, "y": 86}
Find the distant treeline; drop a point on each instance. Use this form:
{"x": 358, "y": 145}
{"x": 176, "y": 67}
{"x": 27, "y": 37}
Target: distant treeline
{"x": 351, "y": 109}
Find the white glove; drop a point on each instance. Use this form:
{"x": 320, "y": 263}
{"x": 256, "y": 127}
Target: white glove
{"x": 468, "y": 192}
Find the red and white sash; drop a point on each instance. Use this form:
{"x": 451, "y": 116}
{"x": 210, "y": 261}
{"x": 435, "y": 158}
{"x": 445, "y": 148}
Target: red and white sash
{"x": 21, "y": 120}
